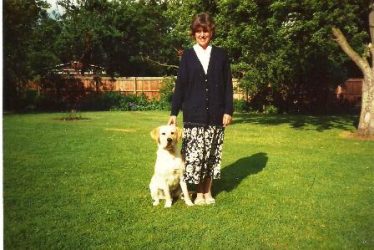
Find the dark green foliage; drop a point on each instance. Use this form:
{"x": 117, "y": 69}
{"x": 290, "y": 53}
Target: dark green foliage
{"x": 115, "y": 35}
{"x": 118, "y": 101}
{"x": 20, "y": 20}
{"x": 73, "y": 115}
{"x": 100, "y": 101}
{"x": 166, "y": 93}
{"x": 241, "y": 106}
{"x": 288, "y": 45}
{"x": 61, "y": 93}
{"x": 104, "y": 101}
{"x": 284, "y": 45}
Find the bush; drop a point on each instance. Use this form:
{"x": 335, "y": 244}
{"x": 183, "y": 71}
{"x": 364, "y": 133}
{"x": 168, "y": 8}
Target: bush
{"x": 270, "y": 109}
{"x": 166, "y": 93}
{"x": 109, "y": 100}
{"x": 29, "y": 100}
{"x": 118, "y": 101}
{"x": 100, "y": 101}
{"x": 133, "y": 103}
{"x": 241, "y": 106}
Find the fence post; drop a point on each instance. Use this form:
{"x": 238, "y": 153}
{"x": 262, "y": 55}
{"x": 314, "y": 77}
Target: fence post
{"x": 135, "y": 86}
{"x": 142, "y": 87}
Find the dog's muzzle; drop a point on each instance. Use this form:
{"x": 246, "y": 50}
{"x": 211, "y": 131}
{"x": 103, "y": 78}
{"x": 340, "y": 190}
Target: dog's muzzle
{"x": 169, "y": 144}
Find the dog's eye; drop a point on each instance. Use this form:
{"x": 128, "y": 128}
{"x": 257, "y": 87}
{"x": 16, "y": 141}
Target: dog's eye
{"x": 163, "y": 134}
{"x": 172, "y": 133}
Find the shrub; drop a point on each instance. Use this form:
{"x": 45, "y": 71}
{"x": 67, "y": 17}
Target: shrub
{"x": 99, "y": 101}
{"x": 73, "y": 115}
{"x": 166, "y": 93}
{"x": 109, "y": 100}
{"x": 133, "y": 103}
{"x": 270, "y": 109}
{"x": 29, "y": 100}
{"x": 241, "y": 106}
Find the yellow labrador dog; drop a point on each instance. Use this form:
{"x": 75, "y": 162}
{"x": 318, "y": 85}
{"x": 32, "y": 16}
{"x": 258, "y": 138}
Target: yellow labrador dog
{"x": 167, "y": 180}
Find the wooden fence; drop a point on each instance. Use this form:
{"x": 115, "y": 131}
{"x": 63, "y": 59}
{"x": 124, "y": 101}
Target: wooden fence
{"x": 149, "y": 86}
{"x": 350, "y": 91}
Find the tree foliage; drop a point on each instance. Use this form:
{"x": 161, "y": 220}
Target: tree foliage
{"x": 287, "y": 44}
{"x": 113, "y": 34}
{"x": 20, "y": 20}
{"x": 281, "y": 50}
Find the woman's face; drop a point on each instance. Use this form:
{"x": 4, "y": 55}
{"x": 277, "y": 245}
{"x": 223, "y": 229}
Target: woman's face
{"x": 203, "y": 37}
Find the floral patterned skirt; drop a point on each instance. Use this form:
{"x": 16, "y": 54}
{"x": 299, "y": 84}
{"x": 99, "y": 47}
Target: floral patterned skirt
{"x": 201, "y": 151}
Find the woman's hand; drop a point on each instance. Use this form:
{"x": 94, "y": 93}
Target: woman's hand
{"x": 172, "y": 120}
{"x": 227, "y": 119}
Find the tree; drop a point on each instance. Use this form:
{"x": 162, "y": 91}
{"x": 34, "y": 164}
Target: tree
{"x": 281, "y": 50}
{"x": 366, "y": 123}
{"x": 20, "y": 19}
{"x": 306, "y": 66}
{"x": 114, "y": 34}
{"x": 241, "y": 31}
{"x": 43, "y": 55}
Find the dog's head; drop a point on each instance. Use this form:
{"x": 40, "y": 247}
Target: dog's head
{"x": 167, "y": 136}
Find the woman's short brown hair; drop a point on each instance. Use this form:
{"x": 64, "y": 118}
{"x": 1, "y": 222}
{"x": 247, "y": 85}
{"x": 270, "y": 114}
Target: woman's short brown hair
{"x": 204, "y": 21}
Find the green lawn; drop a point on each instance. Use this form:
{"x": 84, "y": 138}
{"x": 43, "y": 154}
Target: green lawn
{"x": 287, "y": 182}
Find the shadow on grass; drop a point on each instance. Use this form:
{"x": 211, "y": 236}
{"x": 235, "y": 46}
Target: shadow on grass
{"x": 234, "y": 174}
{"x": 320, "y": 123}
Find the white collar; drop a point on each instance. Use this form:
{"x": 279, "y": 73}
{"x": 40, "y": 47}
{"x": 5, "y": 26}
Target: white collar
{"x": 203, "y": 55}
{"x": 200, "y": 49}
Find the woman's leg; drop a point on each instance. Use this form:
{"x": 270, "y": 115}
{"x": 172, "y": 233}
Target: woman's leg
{"x": 208, "y": 188}
{"x": 204, "y": 192}
{"x": 200, "y": 194}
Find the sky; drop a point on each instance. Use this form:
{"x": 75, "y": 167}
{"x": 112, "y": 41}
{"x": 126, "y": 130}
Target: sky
{"x": 54, "y": 6}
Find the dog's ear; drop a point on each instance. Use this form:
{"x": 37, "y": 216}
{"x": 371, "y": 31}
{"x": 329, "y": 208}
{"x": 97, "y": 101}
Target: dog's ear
{"x": 180, "y": 133}
{"x": 155, "y": 133}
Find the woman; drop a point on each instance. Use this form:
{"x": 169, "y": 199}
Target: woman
{"x": 204, "y": 92}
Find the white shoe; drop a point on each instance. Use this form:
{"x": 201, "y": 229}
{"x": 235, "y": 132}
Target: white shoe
{"x": 210, "y": 201}
{"x": 168, "y": 204}
{"x": 200, "y": 201}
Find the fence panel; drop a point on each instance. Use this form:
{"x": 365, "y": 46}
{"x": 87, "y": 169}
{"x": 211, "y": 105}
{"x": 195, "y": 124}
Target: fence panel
{"x": 149, "y": 86}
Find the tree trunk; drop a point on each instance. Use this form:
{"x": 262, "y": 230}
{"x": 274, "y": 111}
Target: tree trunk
{"x": 371, "y": 31}
{"x": 366, "y": 124}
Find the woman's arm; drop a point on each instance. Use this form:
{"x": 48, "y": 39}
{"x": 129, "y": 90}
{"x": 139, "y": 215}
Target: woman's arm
{"x": 229, "y": 106}
{"x": 181, "y": 81}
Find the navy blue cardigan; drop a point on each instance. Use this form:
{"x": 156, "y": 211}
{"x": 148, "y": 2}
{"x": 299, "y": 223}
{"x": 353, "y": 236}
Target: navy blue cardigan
{"x": 204, "y": 98}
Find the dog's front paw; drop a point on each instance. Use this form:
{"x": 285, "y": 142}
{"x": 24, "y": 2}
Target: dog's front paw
{"x": 168, "y": 203}
{"x": 155, "y": 203}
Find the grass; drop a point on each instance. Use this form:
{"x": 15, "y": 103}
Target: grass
{"x": 287, "y": 182}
